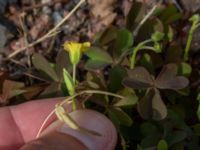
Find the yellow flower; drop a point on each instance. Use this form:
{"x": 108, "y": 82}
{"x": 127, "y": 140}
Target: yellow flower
{"x": 75, "y": 50}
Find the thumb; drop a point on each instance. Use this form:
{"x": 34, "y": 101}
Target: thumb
{"x": 60, "y": 137}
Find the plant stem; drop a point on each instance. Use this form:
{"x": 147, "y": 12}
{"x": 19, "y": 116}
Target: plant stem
{"x": 123, "y": 143}
{"x": 74, "y": 74}
{"x": 144, "y": 20}
{"x": 74, "y": 106}
{"x": 189, "y": 41}
{"x": 92, "y": 92}
{"x": 74, "y": 96}
{"x": 135, "y": 50}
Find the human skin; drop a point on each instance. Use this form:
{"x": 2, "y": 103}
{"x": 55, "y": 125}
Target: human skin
{"x": 20, "y": 124}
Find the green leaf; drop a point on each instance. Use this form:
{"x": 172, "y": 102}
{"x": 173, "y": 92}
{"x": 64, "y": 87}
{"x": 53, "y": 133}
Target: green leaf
{"x": 176, "y": 137}
{"x": 69, "y": 82}
{"x": 147, "y": 62}
{"x": 123, "y": 42}
{"x": 170, "y": 34}
{"x": 119, "y": 116}
{"x": 150, "y": 142}
{"x": 95, "y": 65}
{"x": 98, "y": 54}
{"x": 162, "y": 145}
{"x": 170, "y": 14}
{"x": 148, "y": 129}
{"x": 157, "y": 36}
{"x": 139, "y": 78}
{"x": 184, "y": 69}
{"x": 129, "y": 100}
{"x": 116, "y": 75}
{"x": 42, "y": 64}
{"x": 135, "y": 15}
{"x": 195, "y": 18}
{"x": 157, "y": 47}
{"x": 151, "y": 26}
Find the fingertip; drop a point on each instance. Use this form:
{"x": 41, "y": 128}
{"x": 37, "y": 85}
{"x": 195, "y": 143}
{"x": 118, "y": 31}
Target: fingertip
{"x": 94, "y": 121}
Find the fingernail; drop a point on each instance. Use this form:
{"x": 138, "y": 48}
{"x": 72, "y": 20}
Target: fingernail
{"x": 94, "y": 121}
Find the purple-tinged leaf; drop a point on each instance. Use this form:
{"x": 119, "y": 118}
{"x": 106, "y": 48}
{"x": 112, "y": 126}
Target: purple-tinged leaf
{"x": 167, "y": 78}
{"x": 151, "y": 106}
{"x": 139, "y": 78}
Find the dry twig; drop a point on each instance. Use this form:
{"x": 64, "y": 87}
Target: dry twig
{"x": 51, "y": 33}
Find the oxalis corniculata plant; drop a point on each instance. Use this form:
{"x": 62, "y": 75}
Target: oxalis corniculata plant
{"x": 122, "y": 77}
{"x": 75, "y": 51}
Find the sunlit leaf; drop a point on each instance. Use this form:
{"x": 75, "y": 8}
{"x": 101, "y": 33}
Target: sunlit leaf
{"x": 139, "y": 78}
{"x": 42, "y": 64}
{"x": 97, "y": 58}
{"x": 157, "y": 47}
{"x": 69, "y": 82}
{"x": 129, "y": 100}
{"x": 195, "y": 18}
{"x": 96, "y": 53}
{"x": 167, "y": 78}
{"x": 162, "y": 145}
{"x": 184, "y": 69}
{"x": 170, "y": 34}
{"x": 157, "y": 36}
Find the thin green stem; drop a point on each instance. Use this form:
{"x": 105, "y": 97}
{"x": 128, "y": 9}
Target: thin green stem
{"x": 135, "y": 50}
{"x": 74, "y": 74}
{"x": 149, "y": 48}
{"x": 74, "y": 105}
{"x": 74, "y": 96}
{"x": 92, "y": 92}
{"x": 145, "y": 19}
{"x": 189, "y": 41}
{"x": 123, "y": 143}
